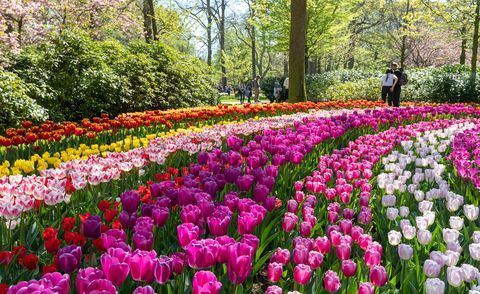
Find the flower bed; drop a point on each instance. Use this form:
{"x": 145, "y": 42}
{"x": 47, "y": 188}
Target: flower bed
{"x": 210, "y": 211}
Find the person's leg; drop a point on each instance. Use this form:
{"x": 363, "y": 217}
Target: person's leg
{"x": 384, "y": 94}
{"x": 390, "y": 97}
{"x": 396, "y": 100}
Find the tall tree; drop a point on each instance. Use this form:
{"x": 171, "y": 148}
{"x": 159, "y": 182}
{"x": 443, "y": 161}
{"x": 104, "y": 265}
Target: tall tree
{"x": 476, "y": 28}
{"x": 298, "y": 32}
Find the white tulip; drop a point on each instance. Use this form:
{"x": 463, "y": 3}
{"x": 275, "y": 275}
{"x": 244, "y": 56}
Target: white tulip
{"x": 474, "y": 249}
{"x": 392, "y": 213}
{"x": 419, "y": 195}
{"x": 452, "y": 258}
{"x": 425, "y": 206}
{"x": 471, "y": 212}
{"x": 424, "y": 237}
{"x": 438, "y": 257}
{"x": 430, "y": 216}
{"x": 404, "y": 222}
{"x": 476, "y": 237}
{"x": 389, "y": 200}
{"x": 422, "y": 222}
{"x": 456, "y": 223}
{"x": 404, "y": 211}
{"x": 470, "y": 272}
{"x": 394, "y": 237}
{"x": 454, "y": 276}
{"x": 450, "y": 235}
{"x": 434, "y": 286}
{"x": 455, "y": 246}
{"x": 409, "y": 232}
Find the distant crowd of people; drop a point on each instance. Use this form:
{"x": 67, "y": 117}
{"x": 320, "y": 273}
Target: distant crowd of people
{"x": 251, "y": 88}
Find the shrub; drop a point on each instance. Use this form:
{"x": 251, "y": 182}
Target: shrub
{"x": 267, "y": 84}
{"x": 74, "y": 77}
{"x": 16, "y": 106}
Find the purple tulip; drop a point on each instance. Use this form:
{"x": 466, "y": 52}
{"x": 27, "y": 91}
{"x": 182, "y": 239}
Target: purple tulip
{"x": 232, "y": 174}
{"x": 163, "y": 269}
{"x": 127, "y": 220}
{"x": 366, "y": 288}
{"x": 260, "y": 193}
{"x": 86, "y": 276}
{"x": 218, "y": 225}
{"x": 69, "y": 258}
{"x": 115, "y": 265}
{"x": 92, "y": 227}
{"x": 130, "y": 201}
{"x": 205, "y": 282}
{"x": 141, "y": 265}
{"x": 245, "y": 182}
{"x": 202, "y": 254}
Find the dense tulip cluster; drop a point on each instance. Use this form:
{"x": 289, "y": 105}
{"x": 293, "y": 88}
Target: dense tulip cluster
{"x": 239, "y": 212}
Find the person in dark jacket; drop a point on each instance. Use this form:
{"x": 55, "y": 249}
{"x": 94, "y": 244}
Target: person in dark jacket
{"x": 397, "y": 89}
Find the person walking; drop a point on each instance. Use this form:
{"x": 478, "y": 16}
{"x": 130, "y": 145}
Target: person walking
{"x": 256, "y": 89}
{"x": 285, "y": 86}
{"x": 248, "y": 91}
{"x": 277, "y": 92}
{"x": 389, "y": 80}
{"x": 397, "y": 89}
{"x": 241, "y": 91}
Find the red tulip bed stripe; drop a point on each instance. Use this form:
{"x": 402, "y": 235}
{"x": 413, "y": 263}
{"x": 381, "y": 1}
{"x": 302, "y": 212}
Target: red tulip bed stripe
{"x": 215, "y": 225}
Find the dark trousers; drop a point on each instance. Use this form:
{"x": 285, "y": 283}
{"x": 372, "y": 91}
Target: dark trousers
{"x": 386, "y": 93}
{"x": 396, "y": 97}
{"x": 242, "y": 97}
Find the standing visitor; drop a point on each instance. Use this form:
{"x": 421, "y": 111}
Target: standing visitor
{"x": 256, "y": 89}
{"x": 248, "y": 91}
{"x": 277, "y": 92}
{"x": 389, "y": 80}
{"x": 241, "y": 91}
{"x": 401, "y": 81}
{"x": 285, "y": 86}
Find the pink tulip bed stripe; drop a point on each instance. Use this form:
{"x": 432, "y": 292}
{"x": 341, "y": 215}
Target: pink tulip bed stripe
{"x": 301, "y": 203}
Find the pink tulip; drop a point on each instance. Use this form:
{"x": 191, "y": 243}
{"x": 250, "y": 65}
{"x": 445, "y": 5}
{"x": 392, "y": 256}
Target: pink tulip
{"x": 335, "y": 238}
{"x": 292, "y": 206}
{"x": 378, "y": 275}
{"x": 349, "y": 268}
{"x": 275, "y": 271}
{"x": 302, "y": 274}
{"x": 186, "y": 233}
{"x": 332, "y": 217}
{"x": 346, "y": 226}
{"x": 322, "y": 244}
{"x": 331, "y": 282}
{"x": 239, "y": 264}
{"x": 348, "y": 213}
{"x": 315, "y": 259}
{"x": 300, "y": 254}
{"x": 115, "y": 265}
{"x": 289, "y": 222}
{"x": 274, "y": 290}
{"x": 202, "y": 254}
{"x": 141, "y": 265}
{"x": 305, "y": 229}
{"x": 281, "y": 256}
{"x": 366, "y": 288}
{"x": 162, "y": 270}
{"x": 356, "y": 232}
{"x": 205, "y": 282}
{"x": 343, "y": 251}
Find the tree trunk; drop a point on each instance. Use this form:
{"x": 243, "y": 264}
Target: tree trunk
{"x": 254, "y": 42}
{"x": 209, "y": 33}
{"x": 404, "y": 38}
{"x": 351, "y": 57}
{"x": 153, "y": 20}
{"x": 147, "y": 21}
{"x": 285, "y": 67}
{"x": 475, "y": 45}
{"x": 463, "y": 53}
{"x": 298, "y": 29}
{"x": 222, "y": 43}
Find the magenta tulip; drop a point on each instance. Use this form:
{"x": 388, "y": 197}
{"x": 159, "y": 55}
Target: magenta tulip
{"x": 302, "y": 274}
{"x": 331, "y": 282}
{"x": 289, "y": 222}
{"x": 115, "y": 265}
{"x": 239, "y": 264}
{"x": 186, "y": 233}
{"x": 205, "y": 282}
{"x": 323, "y": 245}
{"x": 349, "y": 268}
{"x": 378, "y": 275}
{"x": 275, "y": 271}
{"x": 300, "y": 254}
{"x": 202, "y": 254}
{"x": 162, "y": 269}
{"x": 144, "y": 290}
{"x": 281, "y": 256}
{"x": 101, "y": 286}
{"x": 366, "y": 288}
{"x": 343, "y": 251}
{"x": 141, "y": 265}
{"x": 85, "y": 277}
{"x": 315, "y": 259}
{"x": 274, "y": 290}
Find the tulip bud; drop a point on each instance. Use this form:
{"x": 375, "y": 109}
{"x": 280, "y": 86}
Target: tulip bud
{"x": 405, "y": 251}
{"x": 456, "y": 223}
{"x": 300, "y": 254}
{"x": 302, "y": 274}
{"x": 424, "y": 237}
{"x": 392, "y": 213}
{"x": 471, "y": 212}
{"x": 322, "y": 244}
{"x": 404, "y": 211}
{"x": 431, "y": 268}
{"x": 474, "y": 250}
{"x": 275, "y": 271}
{"x": 451, "y": 258}
{"x": 394, "y": 237}
{"x": 454, "y": 276}
{"x": 349, "y": 268}
{"x": 378, "y": 275}
{"x": 343, "y": 251}
{"x": 409, "y": 232}
{"x": 434, "y": 286}
{"x": 331, "y": 282}
{"x": 315, "y": 259}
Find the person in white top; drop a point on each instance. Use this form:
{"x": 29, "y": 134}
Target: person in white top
{"x": 389, "y": 80}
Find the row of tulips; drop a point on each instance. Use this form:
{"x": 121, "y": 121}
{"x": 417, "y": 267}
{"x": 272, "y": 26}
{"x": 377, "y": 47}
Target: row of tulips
{"x": 342, "y": 176}
{"x": 231, "y": 187}
{"x": 55, "y": 186}
{"x": 41, "y": 154}
{"x": 432, "y": 226}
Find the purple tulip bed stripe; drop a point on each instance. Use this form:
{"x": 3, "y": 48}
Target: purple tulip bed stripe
{"x": 292, "y": 207}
